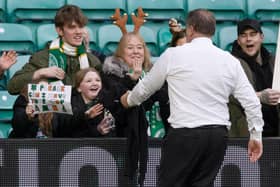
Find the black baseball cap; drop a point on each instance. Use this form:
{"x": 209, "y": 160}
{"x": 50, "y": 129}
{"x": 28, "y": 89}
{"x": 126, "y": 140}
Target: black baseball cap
{"x": 248, "y": 23}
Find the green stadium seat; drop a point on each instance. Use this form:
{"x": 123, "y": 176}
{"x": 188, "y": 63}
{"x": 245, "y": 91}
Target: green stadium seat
{"x": 32, "y": 13}
{"x": 164, "y": 37}
{"x": 99, "y": 11}
{"x": 227, "y": 13}
{"x": 264, "y": 10}
{"x": 4, "y": 81}
{"x": 5, "y": 129}
{"x": 215, "y": 38}
{"x": 93, "y": 39}
{"x": 32, "y": 10}
{"x": 109, "y": 42}
{"x": 6, "y": 105}
{"x": 44, "y": 34}
{"x": 6, "y": 100}
{"x": 43, "y": 37}
{"x": 227, "y": 35}
{"x": 224, "y": 10}
{"x": 154, "y": 59}
{"x": 160, "y": 11}
{"x": 21, "y": 61}
{"x": 16, "y": 37}
{"x": 270, "y": 38}
{"x": 3, "y": 11}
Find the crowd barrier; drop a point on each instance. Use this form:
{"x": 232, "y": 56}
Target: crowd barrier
{"x": 101, "y": 163}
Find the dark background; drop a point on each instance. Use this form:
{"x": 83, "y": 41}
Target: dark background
{"x": 101, "y": 162}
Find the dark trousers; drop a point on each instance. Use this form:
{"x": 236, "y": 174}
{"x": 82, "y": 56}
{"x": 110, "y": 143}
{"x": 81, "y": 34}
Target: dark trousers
{"x": 191, "y": 157}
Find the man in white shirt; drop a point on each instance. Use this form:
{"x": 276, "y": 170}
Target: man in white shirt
{"x": 200, "y": 77}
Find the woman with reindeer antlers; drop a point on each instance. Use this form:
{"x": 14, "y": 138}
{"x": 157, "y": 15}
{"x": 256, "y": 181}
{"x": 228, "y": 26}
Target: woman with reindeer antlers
{"x": 122, "y": 71}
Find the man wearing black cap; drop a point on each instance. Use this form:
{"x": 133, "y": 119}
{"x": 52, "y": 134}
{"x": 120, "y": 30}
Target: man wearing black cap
{"x": 258, "y": 64}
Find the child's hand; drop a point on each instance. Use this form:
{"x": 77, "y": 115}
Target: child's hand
{"x": 94, "y": 111}
{"x": 105, "y": 126}
{"x": 29, "y": 111}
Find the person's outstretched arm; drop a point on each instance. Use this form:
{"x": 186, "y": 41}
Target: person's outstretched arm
{"x": 7, "y": 60}
{"x": 246, "y": 95}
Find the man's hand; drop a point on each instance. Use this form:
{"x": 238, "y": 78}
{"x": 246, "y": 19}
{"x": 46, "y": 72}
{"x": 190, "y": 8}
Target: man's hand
{"x": 124, "y": 100}
{"x": 7, "y": 60}
{"x": 269, "y": 96}
{"x": 50, "y": 72}
{"x": 255, "y": 150}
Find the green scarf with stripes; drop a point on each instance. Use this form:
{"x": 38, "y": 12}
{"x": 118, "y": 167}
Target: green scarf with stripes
{"x": 58, "y": 52}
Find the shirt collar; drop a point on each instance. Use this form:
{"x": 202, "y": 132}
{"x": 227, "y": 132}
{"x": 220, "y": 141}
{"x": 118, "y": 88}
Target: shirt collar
{"x": 202, "y": 40}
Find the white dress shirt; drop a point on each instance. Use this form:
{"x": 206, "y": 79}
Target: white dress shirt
{"x": 200, "y": 77}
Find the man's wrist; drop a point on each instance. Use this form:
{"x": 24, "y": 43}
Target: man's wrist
{"x": 256, "y": 135}
{"x": 124, "y": 100}
{"x": 127, "y": 98}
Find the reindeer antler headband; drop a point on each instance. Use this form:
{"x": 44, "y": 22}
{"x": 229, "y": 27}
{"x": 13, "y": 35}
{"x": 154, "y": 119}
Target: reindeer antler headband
{"x": 138, "y": 20}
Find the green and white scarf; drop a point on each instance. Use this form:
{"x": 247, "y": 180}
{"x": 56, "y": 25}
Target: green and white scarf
{"x": 59, "y": 50}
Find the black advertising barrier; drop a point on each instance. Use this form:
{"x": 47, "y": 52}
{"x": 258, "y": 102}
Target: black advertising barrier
{"x": 101, "y": 162}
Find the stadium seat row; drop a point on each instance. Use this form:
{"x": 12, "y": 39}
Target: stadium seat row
{"x": 20, "y": 38}
{"x": 6, "y": 112}
{"x": 37, "y": 12}
{"x": 23, "y": 10}
{"x": 7, "y": 100}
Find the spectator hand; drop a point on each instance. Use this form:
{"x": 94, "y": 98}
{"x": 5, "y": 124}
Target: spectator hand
{"x": 7, "y": 60}
{"x": 49, "y": 72}
{"x": 174, "y": 26}
{"x": 94, "y": 111}
{"x": 269, "y": 96}
{"x": 136, "y": 69}
{"x": 86, "y": 39}
{"x": 255, "y": 150}
{"x": 105, "y": 126}
{"x": 29, "y": 111}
